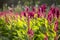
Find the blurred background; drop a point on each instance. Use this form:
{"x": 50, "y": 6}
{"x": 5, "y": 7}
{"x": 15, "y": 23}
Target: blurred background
{"x": 19, "y": 5}
{"x": 29, "y": 19}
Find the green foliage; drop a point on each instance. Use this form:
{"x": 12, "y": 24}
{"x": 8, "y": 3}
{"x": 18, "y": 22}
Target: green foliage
{"x": 16, "y": 29}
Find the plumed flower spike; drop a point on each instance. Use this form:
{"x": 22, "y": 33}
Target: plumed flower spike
{"x": 30, "y": 32}
{"x": 56, "y": 26}
{"x": 43, "y": 7}
{"x": 52, "y": 9}
{"x": 39, "y": 9}
{"x": 33, "y": 9}
{"x": 39, "y": 12}
{"x": 31, "y": 14}
{"x": 26, "y": 9}
{"x": 57, "y": 12}
{"x": 23, "y": 14}
{"x": 50, "y": 16}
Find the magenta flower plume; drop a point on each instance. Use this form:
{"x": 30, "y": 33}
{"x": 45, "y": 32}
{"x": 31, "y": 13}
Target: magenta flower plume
{"x": 53, "y": 10}
{"x": 39, "y": 9}
{"x": 33, "y": 9}
{"x": 31, "y": 14}
{"x": 56, "y": 26}
{"x": 57, "y": 12}
{"x": 43, "y": 7}
{"x": 38, "y": 15}
{"x": 23, "y": 14}
{"x": 26, "y": 9}
{"x": 50, "y": 16}
{"x": 30, "y": 32}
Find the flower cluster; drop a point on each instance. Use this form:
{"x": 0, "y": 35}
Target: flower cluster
{"x": 35, "y": 24}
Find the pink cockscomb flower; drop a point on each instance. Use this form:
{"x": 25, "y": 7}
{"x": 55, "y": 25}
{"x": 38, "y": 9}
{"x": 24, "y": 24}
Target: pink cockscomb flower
{"x": 39, "y": 9}
{"x": 57, "y": 12}
{"x": 56, "y": 26}
{"x": 39, "y": 12}
{"x": 31, "y": 14}
{"x": 33, "y": 9}
{"x": 43, "y": 7}
{"x": 38, "y": 15}
{"x": 52, "y": 9}
{"x": 50, "y": 16}
{"x": 23, "y": 13}
{"x": 30, "y": 32}
{"x": 27, "y": 9}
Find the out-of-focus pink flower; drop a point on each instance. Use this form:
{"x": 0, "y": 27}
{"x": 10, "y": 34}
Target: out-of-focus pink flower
{"x": 50, "y": 16}
{"x": 33, "y": 9}
{"x": 39, "y": 12}
{"x": 23, "y": 13}
{"x": 30, "y": 32}
{"x": 38, "y": 15}
{"x": 39, "y": 9}
{"x": 57, "y": 12}
{"x": 52, "y": 9}
{"x": 31, "y": 14}
{"x": 27, "y": 9}
{"x": 43, "y": 7}
{"x": 56, "y": 26}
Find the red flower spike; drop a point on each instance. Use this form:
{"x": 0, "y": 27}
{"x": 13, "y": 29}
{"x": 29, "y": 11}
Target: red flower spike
{"x": 33, "y": 9}
{"x": 23, "y": 14}
{"x": 57, "y": 12}
{"x": 27, "y": 9}
{"x": 31, "y": 14}
{"x": 56, "y": 26}
{"x": 30, "y": 33}
{"x": 43, "y": 7}
{"x": 50, "y": 16}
